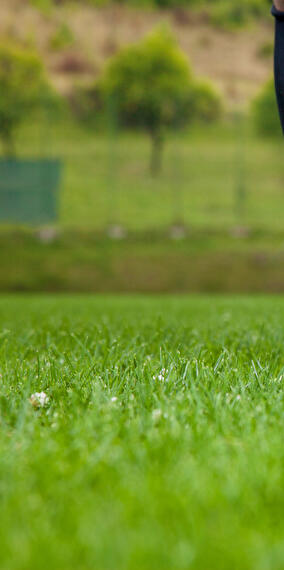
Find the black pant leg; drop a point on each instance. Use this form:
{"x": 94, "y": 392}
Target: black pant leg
{"x": 279, "y": 61}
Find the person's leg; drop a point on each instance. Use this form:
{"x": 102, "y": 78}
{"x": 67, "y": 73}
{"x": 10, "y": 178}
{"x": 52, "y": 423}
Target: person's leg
{"x": 279, "y": 60}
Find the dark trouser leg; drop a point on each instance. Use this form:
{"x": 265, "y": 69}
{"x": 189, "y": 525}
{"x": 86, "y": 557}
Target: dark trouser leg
{"x": 279, "y": 61}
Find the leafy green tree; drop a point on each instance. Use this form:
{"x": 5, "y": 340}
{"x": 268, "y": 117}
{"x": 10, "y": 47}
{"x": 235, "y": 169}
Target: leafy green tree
{"x": 22, "y": 87}
{"x": 148, "y": 84}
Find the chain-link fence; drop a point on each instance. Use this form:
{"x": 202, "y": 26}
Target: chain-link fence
{"x": 212, "y": 176}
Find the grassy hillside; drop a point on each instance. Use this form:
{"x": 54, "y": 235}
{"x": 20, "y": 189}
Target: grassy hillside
{"x": 75, "y": 39}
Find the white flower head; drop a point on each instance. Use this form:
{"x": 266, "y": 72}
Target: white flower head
{"x": 39, "y": 399}
{"x": 114, "y": 399}
{"x": 157, "y": 415}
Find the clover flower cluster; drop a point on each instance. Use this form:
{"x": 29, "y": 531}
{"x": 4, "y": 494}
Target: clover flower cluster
{"x": 39, "y": 399}
{"x": 162, "y": 376}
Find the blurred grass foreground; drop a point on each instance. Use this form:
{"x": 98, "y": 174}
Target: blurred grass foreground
{"x": 170, "y": 179}
{"x": 141, "y": 433}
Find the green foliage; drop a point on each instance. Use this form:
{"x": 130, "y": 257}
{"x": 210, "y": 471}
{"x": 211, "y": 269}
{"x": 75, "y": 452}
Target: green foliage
{"x": 236, "y": 12}
{"x": 265, "y": 112}
{"x": 205, "y": 102}
{"x": 86, "y": 105}
{"x": 161, "y": 443}
{"x": 22, "y": 87}
{"x": 62, "y": 38}
{"x": 266, "y": 50}
{"x": 149, "y": 83}
{"x": 44, "y": 6}
{"x": 151, "y": 87}
{"x": 223, "y": 13}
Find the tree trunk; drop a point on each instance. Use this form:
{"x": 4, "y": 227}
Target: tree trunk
{"x": 157, "y": 150}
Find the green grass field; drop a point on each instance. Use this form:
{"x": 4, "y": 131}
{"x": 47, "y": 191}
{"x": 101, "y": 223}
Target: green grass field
{"x": 107, "y": 181}
{"x": 161, "y": 445}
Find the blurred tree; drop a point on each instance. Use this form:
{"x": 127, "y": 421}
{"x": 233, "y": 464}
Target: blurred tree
{"x": 264, "y": 111}
{"x": 22, "y": 87}
{"x": 204, "y": 102}
{"x": 236, "y": 12}
{"x": 149, "y": 84}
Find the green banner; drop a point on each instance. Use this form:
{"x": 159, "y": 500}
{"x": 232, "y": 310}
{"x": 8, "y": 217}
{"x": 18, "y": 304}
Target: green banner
{"x": 29, "y": 190}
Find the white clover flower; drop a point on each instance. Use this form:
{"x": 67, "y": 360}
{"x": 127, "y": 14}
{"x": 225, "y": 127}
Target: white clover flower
{"x": 161, "y": 377}
{"x": 114, "y": 399}
{"x": 39, "y": 399}
{"x": 238, "y": 398}
{"x": 157, "y": 415}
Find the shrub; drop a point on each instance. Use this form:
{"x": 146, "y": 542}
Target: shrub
{"x": 265, "y": 112}
{"x": 266, "y": 50}
{"x": 22, "y": 88}
{"x": 205, "y": 102}
{"x": 62, "y": 38}
{"x": 236, "y": 12}
{"x": 86, "y": 104}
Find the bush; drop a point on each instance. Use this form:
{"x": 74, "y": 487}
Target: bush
{"x": 265, "y": 112}
{"x": 236, "y": 12}
{"x": 22, "y": 88}
{"x": 62, "y": 38}
{"x": 86, "y": 104}
{"x": 205, "y": 102}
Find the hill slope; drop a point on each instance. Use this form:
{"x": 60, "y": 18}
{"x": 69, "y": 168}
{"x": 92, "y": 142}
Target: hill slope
{"x": 75, "y": 41}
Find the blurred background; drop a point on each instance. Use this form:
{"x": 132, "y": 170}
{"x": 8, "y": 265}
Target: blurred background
{"x": 141, "y": 149}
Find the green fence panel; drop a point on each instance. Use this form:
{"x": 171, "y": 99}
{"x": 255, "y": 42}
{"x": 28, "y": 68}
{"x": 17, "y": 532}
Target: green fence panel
{"x": 29, "y": 190}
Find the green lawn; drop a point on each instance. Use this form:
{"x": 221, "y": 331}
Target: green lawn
{"x": 161, "y": 445}
{"x": 108, "y": 181}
